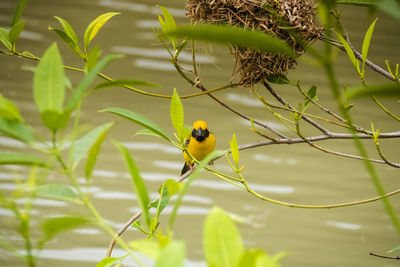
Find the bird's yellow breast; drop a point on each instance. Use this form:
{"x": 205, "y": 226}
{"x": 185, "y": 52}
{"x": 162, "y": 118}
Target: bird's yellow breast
{"x": 199, "y": 150}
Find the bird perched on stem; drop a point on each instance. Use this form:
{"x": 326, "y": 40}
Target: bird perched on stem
{"x": 199, "y": 143}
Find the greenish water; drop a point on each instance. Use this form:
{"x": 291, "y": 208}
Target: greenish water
{"x": 292, "y": 173}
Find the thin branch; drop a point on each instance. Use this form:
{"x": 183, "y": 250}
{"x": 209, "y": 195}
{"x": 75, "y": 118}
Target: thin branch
{"x": 384, "y": 257}
{"x": 201, "y": 87}
{"x": 285, "y": 103}
{"x": 385, "y": 109}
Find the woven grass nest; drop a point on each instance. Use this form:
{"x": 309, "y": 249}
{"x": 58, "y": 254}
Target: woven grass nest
{"x": 284, "y": 19}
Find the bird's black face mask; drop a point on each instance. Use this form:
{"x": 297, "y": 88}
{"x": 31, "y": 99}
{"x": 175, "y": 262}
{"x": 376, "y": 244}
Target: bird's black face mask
{"x": 200, "y": 134}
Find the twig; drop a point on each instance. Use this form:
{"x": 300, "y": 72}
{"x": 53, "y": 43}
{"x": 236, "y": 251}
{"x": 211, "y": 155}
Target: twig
{"x": 135, "y": 217}
{"x": 385, "y": 109}
{"x": 384, "y": 257}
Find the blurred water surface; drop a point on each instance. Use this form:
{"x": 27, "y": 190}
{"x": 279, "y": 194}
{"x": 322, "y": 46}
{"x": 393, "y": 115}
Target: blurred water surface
{"x": 295, "y": 173}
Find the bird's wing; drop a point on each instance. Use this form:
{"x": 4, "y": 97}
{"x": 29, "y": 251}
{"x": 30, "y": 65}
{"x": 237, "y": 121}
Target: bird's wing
{"x": 187, "y": 141}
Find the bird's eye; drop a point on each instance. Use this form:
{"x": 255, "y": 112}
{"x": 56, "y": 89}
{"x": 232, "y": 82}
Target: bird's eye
{"x": 194, "y": 133}
{"x": 206, "y": 133}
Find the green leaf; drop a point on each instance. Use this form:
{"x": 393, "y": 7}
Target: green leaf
{"x": 58, "y": 192}
{"x": 107, "y": 262}
{"x": 391, "y": 7}
{"x": 221, "y": 240}
{"x": 139, "y": 119}
{"x": 249, "y": 258}
{"x": 172, "y": 255}
{"x": 71, "y": 39}
{"x": 177, "y": 115}
{"x": 278, "y": 79}
{"x": 20, "y": 159}
{"x": 94, "y": 151}
{"x": 357, "y": 2}
{"x": 124, "y": 83}
{"x": 145, "y": 132}
{"x": 18, "y": 11}
{"x": 148, "y": 247}
{"x": 80, "y": 90}
{"x": 236, "y": 36}
{"x": 163, "y": 200}
{"x": 366, "y": 43}
{"x": 49, "y": 81}
{"x": 92, "y": 58}
{"x": 8, "y": 110}
{"x": 15, "y": 32}
{"x": 172, "y": 186}
{"x": 266, "y": 261}
{"x": 138, "y": 183}
{"x": 167, "y": 24}
{"x": 68, "y": 41}
{"x": 394, "y": 249}
{"x": 95, "y": 26}
{"x": 54, "y": 119}
{"x": 312, "y": 94}
{"x": 16, "y": 129}
{"x": 349, "y": 52}
{"x": 54, "y": 226}
{"x": 234, "y": 150}
{"x": 91, "y": 140}
{"x": 388, "y": 89}
{"x": 4, "y": 38}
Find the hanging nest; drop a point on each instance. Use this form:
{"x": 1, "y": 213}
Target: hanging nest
{"x": 290, "y": 20}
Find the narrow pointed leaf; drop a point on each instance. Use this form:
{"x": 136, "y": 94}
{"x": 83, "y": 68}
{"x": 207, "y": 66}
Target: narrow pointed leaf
{"x": 68, "y": 30}
{"x": 54, "y": 226}
{"x": 95, "y": 26}
{"x": 349, "y": 52}
{"x": 124, "y": 83}
{"x": 94, "y": 152}
{"x": 49, "y": 81}
{"x": 148, "y": 247}
{"x": 388, "y": 90}
{"x": 15, "y": 32}
{"x": 18, "y": 11}
{"x": 58, "y": 192}
{"x": 139, "y": 119}
{"x": 167, "y": 24}
{"x": 234, "y": 150}
{"x": 177, "y": 116}
{"x": 357, "y": 2}
{"x": 21, "y": 159}
{"x": 82, "y": 146}
{"x": 366, "y": 43}
{"x": 92, "y": 58}
{"x": 107, "y": 262}
{"x": 80, "y": 90}
{"x": 172, "y": 255}
{"x": 4, "y": 38}
{"x": 138, "y": 183}
{"x": 278, "y": 79}
{"x": 16, "y": 129}
{"x": 8, "y": 110}
{"x": 163, "y": 200}
{"x": 394, "y": 249}
{"x": 68, "y": 41}
{"x": 221, "y": 239}
{"x": 236, "y": 36}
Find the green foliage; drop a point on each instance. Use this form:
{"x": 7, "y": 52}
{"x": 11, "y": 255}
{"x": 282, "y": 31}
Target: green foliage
{"x": 21, "y": 159}
{"x": 15, "y": 32}
{"x": 387, "y": 89}
{"x": 8, "y": 110}
{"x": 148, "y": 247}
{"x": 278, "y": 79}
{"x": 394, "y": 249}
{"x": 68, "y": 35}
{"x": 54, "y": 226}
{"x": 18, "y": 11}
{"x": 95, "y": 26}
{"x": 312, "y": 94}
{"x": 139, "y": 119}
{"x": 167, "y": 24}
{"x": 366, "y": 44}
{"x": 221, "y": 240}
{"x": 124, "y": 82}
{"x": 172, "y": 255}
{"x": 234, "y": 150}
{"x": 107, "y": 262}
{"x": 4, "y": 38}
{"x": 240, "y": 37}
{"x": 139, "y": 185}
{"x": 16, "y": 129}
{"x": 177, "y": 116}
{"x": 58, "y": 192}
{"x": 90, "y": 142}
{"x": 350, "y": 53}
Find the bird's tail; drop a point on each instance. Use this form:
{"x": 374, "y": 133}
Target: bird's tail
{"x": 185, "y": 168}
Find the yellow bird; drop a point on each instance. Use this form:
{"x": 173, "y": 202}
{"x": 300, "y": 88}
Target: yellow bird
{"x": 199, "y": 143}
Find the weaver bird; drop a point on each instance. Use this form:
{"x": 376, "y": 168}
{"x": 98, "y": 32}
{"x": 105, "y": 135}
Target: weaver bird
{"x": 199, "y": 143}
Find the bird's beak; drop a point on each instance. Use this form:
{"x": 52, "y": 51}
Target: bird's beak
{"x": 200, "y": 134}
